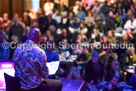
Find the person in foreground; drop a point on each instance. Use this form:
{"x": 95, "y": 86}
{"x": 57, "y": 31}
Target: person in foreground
{"x": 30, "y": 65}
{"x": 113, "y": 85}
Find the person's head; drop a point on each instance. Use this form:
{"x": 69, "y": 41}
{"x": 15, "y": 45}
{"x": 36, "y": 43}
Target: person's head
{"x": 44, "y": 39}
{"x": 64, "y": 32}
{"x": 51, "y": 38}
{"x": 125, "y": 37}
{"x": 110, "y": 34}
{"x": 114, "y": 56}
{"x": 15, "y": 21}
{"x": 115, "y": 65}
{"x": 82, "y": 25}
{"x": 57, "y": 12}
{"x": 78, "y": 20}
{"x": 95, "y": 31}
{"x": 49, "y": 46}
{"x": 62, "y": 3}
{"x": 98, "y": 10}
{"x": 35, "y": 35}
{"x": 14, "y": 39}
{"x": 132, "y": 17}
{"x": 52, "y": 28}
{"x": 119, "y": 5}
{"x": 77, "y": 3}
{"x": 50, "y": 16}
{"x": 48, "y": 33}
{"x": 79, "y": 37}
{"x": 89, "y": 13}
{"x": 111, "y": 13}
{"x": 16, "y": 15}
{"x": 71, "y": 14}
{"x": 34, "y": 24}
{"x": 97, "y": 3}
{"x": 64, "y": 14}
{"x": 129, "y": 12}
{"x": 80, "y": 9}
{"x": 5, "y": 16}
{"x": 82, "y": 33}
{"x": 65, "y": 41}
{"x": 131, "y": 51}
{"x": 1, "y": 37}
{"x": 95, "y": 56}
{"x": 105, "y": 3}
{"x": 78, "y": 41}
{"x": 85, "y": 50}
{"x": 114, "y": 82}
{"x": 104, "y": 39}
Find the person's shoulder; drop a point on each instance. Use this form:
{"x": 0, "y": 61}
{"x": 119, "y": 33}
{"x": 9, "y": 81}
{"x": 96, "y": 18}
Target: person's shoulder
{"x": 38, "y": 49}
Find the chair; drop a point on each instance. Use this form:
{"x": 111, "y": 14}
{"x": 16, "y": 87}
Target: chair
{"x": 12, "y": 83}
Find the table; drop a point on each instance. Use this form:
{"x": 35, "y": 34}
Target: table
{"x": 102, "y": 85}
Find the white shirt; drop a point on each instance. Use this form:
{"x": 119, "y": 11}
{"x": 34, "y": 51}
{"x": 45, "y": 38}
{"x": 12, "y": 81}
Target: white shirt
{"x": 75, "y": 9}
{"x": 48, "y": 7}
{"x": 57, "y": 18}
{"x": 130, "y": 25}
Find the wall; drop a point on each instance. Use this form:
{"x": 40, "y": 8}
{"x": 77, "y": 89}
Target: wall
{"x": 11, "y": 7}
{"x": 4, "y": 7}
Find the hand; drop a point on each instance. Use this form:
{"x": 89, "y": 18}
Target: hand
{"x": 98, "y": 18}
{"x": 79, "y": 63}
{"x": 131, "y": 36}
{"x": 125, "y": 73}
{"x": 62, "y": 70}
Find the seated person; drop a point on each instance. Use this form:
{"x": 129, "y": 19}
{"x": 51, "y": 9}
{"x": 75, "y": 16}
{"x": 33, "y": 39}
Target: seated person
{"x": 113, "y": 71}
{"x": 82, "y": 60}
{"x": 131, "y": 57}
{"x": 30, "y": 65}
{"x": 133, "y": 78}
{"x": 64, "y": 49}
{"x": 84, "y": 57}
{"x": 78, "y": 49}
{"x": 93, "y": 69}
{"x": 113, "y": 85}
{"x": 112, "y": 57}
{"x": 4, "y": 50}
{"x": 51, "y": 54}
{"x": 111, "y": 39}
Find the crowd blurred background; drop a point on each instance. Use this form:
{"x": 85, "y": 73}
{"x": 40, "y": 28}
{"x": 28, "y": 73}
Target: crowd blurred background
{"x": 101, "y": 22}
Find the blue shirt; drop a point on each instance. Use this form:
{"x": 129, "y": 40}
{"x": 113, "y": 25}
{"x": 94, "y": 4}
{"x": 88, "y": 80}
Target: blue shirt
{"x": 52, "y": 56}
{"x": 4, "y": 52}
{"x": 82, "y": 16}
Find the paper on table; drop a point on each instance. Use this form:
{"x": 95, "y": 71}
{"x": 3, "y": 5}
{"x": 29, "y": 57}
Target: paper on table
{"x": 53, "y": 67}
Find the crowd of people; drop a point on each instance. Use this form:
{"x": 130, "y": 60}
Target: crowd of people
{"x": 104, "y": 26}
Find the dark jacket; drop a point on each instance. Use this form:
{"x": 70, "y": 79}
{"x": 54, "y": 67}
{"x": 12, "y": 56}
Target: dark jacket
{"x": 92, "y": 73}
{"x": 17, "y": 31}
{"x": 110, "y": 23}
